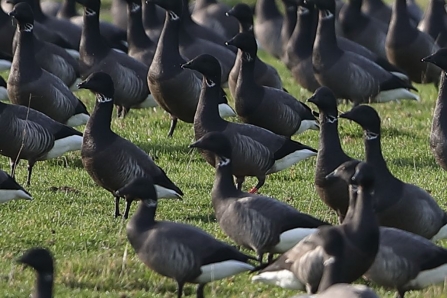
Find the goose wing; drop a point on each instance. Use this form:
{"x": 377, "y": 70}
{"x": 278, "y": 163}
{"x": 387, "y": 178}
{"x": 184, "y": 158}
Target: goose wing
{"x": 36, "y": 140}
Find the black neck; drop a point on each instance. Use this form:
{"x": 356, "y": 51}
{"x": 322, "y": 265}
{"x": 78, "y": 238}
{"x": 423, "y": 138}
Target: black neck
{"x": 326, "y": 39}
{"x": 168, "y": 43}
{"x": 92, "y": 44}
{"x": 373, "y": 152}
{"x": 247, "y": 75}
{"x": 246, "y": 27}
{"x": 99, "y": 122}
{"x": 37, "y": 11}
{"x": 355, "y": 5}
{"x": 377, "y": 4}
{"x": 4, "y": 17}
{"x": 289, "y": 23}
{"x": 303, "y": 36}
{"x": 208, "y": 106}
{"x": 267, "y": 9}
{"x": 68, "y": 9}
{"x": 223, "y": 186}
{"x": 136, "y": 35}
{"x": 332, "y": 274}
{"x": 434, "y": 16}
{"x": 144, "y": 216}
{"x": 203, "y": 3}
{"x": 150, "y": 16}
{"x": 329, "y": 137}
{"x": 24, "y": 59}
{"x": 363, "y": 218}
{"x": 44, "y": 285}
{"x": 400, "y": 14}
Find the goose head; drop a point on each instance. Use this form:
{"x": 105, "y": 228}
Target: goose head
{"x": 439, "y": 59}
{"x": 100, "y": 84}
{"x": 40, "y": 259}
{"x": 367, "y": 117}
{"x": 217, "y": 143}
{"x": 92, "y": 7}
{"x": 326, "y": 102}
{"x": 23, "y": 13}
{"x": 208, "y": 66}
{"x": 345, "y": 171}
{"x": 363, "y": 176}
{"x": 246, "y": 42}
{"x": 173, "y": 7}
{"x": 141, "y": 188}
{"x": 134, "y": 5}
{"x": 243, "y": 13}
{"x": 327, "y": 7}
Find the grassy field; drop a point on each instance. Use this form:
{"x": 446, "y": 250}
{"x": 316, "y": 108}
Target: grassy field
{"x": 74, "y": 218}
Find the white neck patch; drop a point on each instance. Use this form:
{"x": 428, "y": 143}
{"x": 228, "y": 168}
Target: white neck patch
{"x": 28, "y": 27}
{"x": 102, "y": 99}
{"x": 327, "y": 14}
{"x": 90, "y": 12}
{"x": 330, "y": 119}
{"x": 247, "y": 57}
{"x": 369, "y": 135}
{"x": 224, "y": 161}
{"x": 135, "y": 7}
{"x": 150, "y": 203}
{"x": 210, "y": 83}
{"x": 173, "y": 16}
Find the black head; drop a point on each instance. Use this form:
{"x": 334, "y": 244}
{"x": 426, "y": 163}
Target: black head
{"x": 242, "y": 12}
{"x": 23, "y": 13}
{"x": 345, "y": 171}
{"x": 332, "y": 241}
{"x": 247, "y": 43}
{"x": 99, "y": 83}
{"x": 439, "y": 59}
{"x": 133, "y": 3}
{"x": 38, "y": 258}
{"x": 208, "y": 66}
{"x": 325, "y": 100}
{"x": 216, "y": 142}
{"x": 91, "y": 6}
{"x": 366, "y": 117}
{"x": 174, "y": 7}
{"x": 364, "y": 175}
{"x": 328, "y": 6}
{"x": 139, "y": 188}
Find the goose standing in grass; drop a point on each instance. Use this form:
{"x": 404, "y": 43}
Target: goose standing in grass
{"x": 177, "y": 89}
{"x": 400, "y": 205}
{"x": 267, "y": 107}
{"x": 45, "y": 138}
{"x": 256, "y": 151}
{"x": 257, "y": 222}
{"x": 334, "y": 192}
{"x": 111, "y": 160}
{"x": 128, "y": 75}
{"x": 41, "y": 260}
{"x": 30, "y": 85}
{"x": 406, "y": 46}
{"x": 302, "y": 266}
{"x": 438, "y": 134}
{"x": 348, "y": 75}
{"x": 11, "y": 190}
{"x": 434, "y": 22}
{"x": 178, "y": 251}
{"x": 265, "y": 74}
{"x": 267, "y": 26}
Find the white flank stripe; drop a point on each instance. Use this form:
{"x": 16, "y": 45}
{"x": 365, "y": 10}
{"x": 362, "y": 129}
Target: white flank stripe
{"x": 290, "y": 238}
{"x": 73, "y": 53}
{"x": 71, "y": 143}
{"x": 166, "y": 193}
{"x": 428, "y": 277}
{"x": 290, "y": 160}
{"x": 77, "y": 120}
{"x": 396, "y": 94}
{"x": 149, "y": 102}
{"x": 226, "y": 111}
{"x": 442, "y": 234}
{"x": 222, "y": 270}
{"x": 13, "y": 194}
{"x": 282, "y": 278}
{"x": 308, "y": 124}
{"x": 401, "y": 76}
{"x": 74, "y": 87}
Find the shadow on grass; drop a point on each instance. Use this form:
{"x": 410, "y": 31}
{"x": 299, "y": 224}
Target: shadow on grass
{"x": 206, "y": 218}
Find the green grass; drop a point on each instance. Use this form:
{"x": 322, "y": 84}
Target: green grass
{"x": 93, "y": 257}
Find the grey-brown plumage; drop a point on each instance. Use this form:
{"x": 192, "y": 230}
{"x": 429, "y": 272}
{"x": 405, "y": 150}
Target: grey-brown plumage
{"x": 153, "y": 19}
{"x": 257, "y": 222}
{"x": 30, "y": 85}
{"x": 438, "y": 134}
{"x": 178, "y": 251}
{"x": 267, "y": 27}
{"x": 434, "y": 22}
{"x": 256, "y": 151}
{"x": 400, "y": 205}
{"x": 272, "y": 109}
{"x": 265, "y": 74}
{"x": 406, "y": 46}
{"x": 111, "y": 160}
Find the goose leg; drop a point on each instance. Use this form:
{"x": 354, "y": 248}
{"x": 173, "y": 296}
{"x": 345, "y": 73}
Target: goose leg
{"x": 119, "y": 111}
{"x": 400, "y": 293}
{"x": 260, "y": 257}
{"x": 200, "y": 288}
{"x": 30, "y": 171}
{"x": 13, "y": 166}
{"x": 117, "y": 207}
{"x": 125, "y": 111}
{"x": 172, "y": 127}
{"x": 270, "y": 258}
{"x": 239, "y": 181}
{"x": 179, "y": 289}
{"x": 128, "y": 203}
{"x": 261, "y": 181}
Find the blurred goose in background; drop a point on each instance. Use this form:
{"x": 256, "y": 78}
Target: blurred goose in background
{"x": 406, "y": 46}
{"x": 153, "y": 19}
{"x": 11, "y": 190}
{"x": 182, "y": 252}
{"x": 244, "y": 216}
{"x": 434, "y": 22}
{"x": 289, "y": 22}
{"x": 30, "y": 85}
{"x": 333, "y": 192}
{"x": 128, "y": 74}
{"x": 379, "y": 10}
{"x": 41, "y": 260}
{"x": 256, "y": 151}
{"x": 302, "y": 266}
{"x": 119, "y": 17}
{"x": 212, "y": 14}
{"x": 266, "y": 107}
{"x": 400, "y": 205}
{"x": 265, "y": 74}
{"x": 438, "y": 134}
{"x": 267, "y": 27}
{"x": 348, "y": 75}
{"x": 111, "y": 160}
{"x": 50, "y": 7}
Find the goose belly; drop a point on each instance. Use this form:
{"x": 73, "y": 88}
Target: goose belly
{"x": 282, "y": 278}
{"x": 291, "y": 159}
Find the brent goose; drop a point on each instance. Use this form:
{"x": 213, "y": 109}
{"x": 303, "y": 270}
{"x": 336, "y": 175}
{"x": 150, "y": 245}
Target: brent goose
{"x": 30, "y": 85}
{"x": 289, "y": 22}
{"x": 334, "y": 192}
{"x": 176, "y": 89}
{"x": 267, "y": 107}
{"x": 41, "y": 260}
{"x": 348, "y": 75}
{"x": 111, "y": 160}
{"x": 400, "y": 205}
{"x": 117, "y": 10}
{"x": 434, "y": 22}
{"x": 182, "y": 252}
{"x": 406, "y": 46}
{"x": 267, "y": 26}
{"x": 211, "y": 14}
{"x": 153, "y": 19}
{"x": 438, "y": 135}
{"x": 303, "y": 265}
{"x": 128, "y": 75}
{"x": 256, "y": 151}
{"x": 11, "y": 190}
{"x": 244, "y": 216}
{"x": 265, "y": 74}
{"x": 363, "y": 29}
{"x": 46, "y": 138}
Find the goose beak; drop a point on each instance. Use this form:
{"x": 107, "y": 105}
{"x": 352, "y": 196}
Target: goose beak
{"x": 312, "y": 99}
{"x": 331, "y": 176}
{"x": 83, "y": 85}
{"x": 187, "y": 65}
{"x": 230, "y": 42}
{"x": 12, "y": 13}
{"x": 197, "y": 144}
{"x": 346, "y": 115}
{"x": 428, "y": 59}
